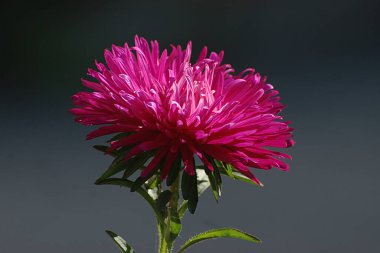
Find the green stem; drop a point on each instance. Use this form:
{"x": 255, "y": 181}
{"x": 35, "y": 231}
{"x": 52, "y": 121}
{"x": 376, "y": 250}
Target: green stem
{"x": 163, "y": 227}
{"x": 173, "y": 212}
{"x": 163, "y": 246}
{"x": 166, "y": 238}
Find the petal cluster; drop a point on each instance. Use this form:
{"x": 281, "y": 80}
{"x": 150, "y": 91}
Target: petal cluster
{"x": 176, "y": 108}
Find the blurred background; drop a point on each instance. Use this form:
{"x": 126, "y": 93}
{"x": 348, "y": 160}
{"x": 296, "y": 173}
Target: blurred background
{"x": 324, "y": 58}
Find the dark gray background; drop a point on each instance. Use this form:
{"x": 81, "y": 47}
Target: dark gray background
{"x": 322, "y": 55}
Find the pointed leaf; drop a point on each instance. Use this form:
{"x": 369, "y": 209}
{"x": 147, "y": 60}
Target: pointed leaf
{"x": 193, "y": 201}
{"x": 141, "y": 180}
{"x": 174, "y": 171}
{"x": 214, "y": 177}
{"x": 244, "y": 178}
{"x": 119, "y": 136}
{"x": 189, "y": 187}
{"x": 136, "y": 162}
{"x": 229, "y": 169}
{"x": 101, "y": 148}
{"x": 216, "y": 174}
{"x": 238, "y": 176}
{"x": 130, "y": 166}
{"x": 163, "y": 199}
{"x": 213, "y": 184}
{"x": 138, "y": 183}
{"x": 219, "y": 233}
{"x": 185, "y": 185}
{"x": 124, "y": 247}
{"x": 114, "y": 153}
{"x": 119, "y": 164}
{"x": 203, "y": 184}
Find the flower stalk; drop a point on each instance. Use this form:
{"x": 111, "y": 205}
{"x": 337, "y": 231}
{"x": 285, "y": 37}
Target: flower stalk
{"x": 166, "y": 235}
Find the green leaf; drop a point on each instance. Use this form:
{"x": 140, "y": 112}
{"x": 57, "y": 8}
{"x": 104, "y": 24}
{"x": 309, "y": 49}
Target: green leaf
{"x": 189, "y": 189}
{"x": 238, "y": 176}
{"x": 219, "y": 233}
{"x": 119, "y": 136}
{"x": 124, "y": 247}
{"x": 229, "y": 169}
{"x": 174, "y": 171}
{"x": 101, "y": 148}
{"x": 223, "y": 166}
{"x": 114, "y": 153}
{"x": 119, "y": 164}
{"x": 202, "y": 185}
{"x": 214, "y": 177}
{"x": 136, "y": 162}
{"x": 182, "y": 209}
{"x": 218, "y": 178}
{"x": 213, "y": 184}
{"x": 185, "y": 185}
{"x": 243, "y": 178}
{"x": 138, "y": 183}
{"x": 163, "y": 199}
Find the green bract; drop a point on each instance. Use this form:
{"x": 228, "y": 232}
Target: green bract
{"x": 166, "y": 201}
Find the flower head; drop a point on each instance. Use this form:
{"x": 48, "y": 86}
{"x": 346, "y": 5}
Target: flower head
{"x": 163, "y": 104}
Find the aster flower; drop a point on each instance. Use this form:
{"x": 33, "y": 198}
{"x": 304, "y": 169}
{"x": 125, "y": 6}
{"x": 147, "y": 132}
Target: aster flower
{"x": 180, "y": 110}
{"x": 165, "y": 111}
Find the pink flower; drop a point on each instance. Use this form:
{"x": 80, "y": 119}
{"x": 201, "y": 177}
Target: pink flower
{"x": 179, "y": 109}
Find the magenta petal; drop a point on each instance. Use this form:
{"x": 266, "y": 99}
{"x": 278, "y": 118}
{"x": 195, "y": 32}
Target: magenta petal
{"x": 164, "y": 100}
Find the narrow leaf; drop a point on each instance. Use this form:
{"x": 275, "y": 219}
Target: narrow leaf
{"x": 174, "y": 171}
{"x": 216, "y": 174}
{"x": 135, "y": 163}
{"x": 163, "y": 199}
{"x": 101, "y": 148}
{"x": 238, "y": 176}
{"x": 119, "y": 136}
{"x": 138, "y": 183}
{"x": 124, "y": 247}
{"x": 193, "y": 197}
{"x": 213, "y": 183}
{"x": 185, "y": 185}
{"x": 114, "y": 153}
{"x": 190, "y": 191}
{"x": 119, "y": 164}
{"x": 203, "y": 184}
{"x": 219, "y": 233}
{"x": 140, "y": 180}
{"x": 229, "y": 169}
